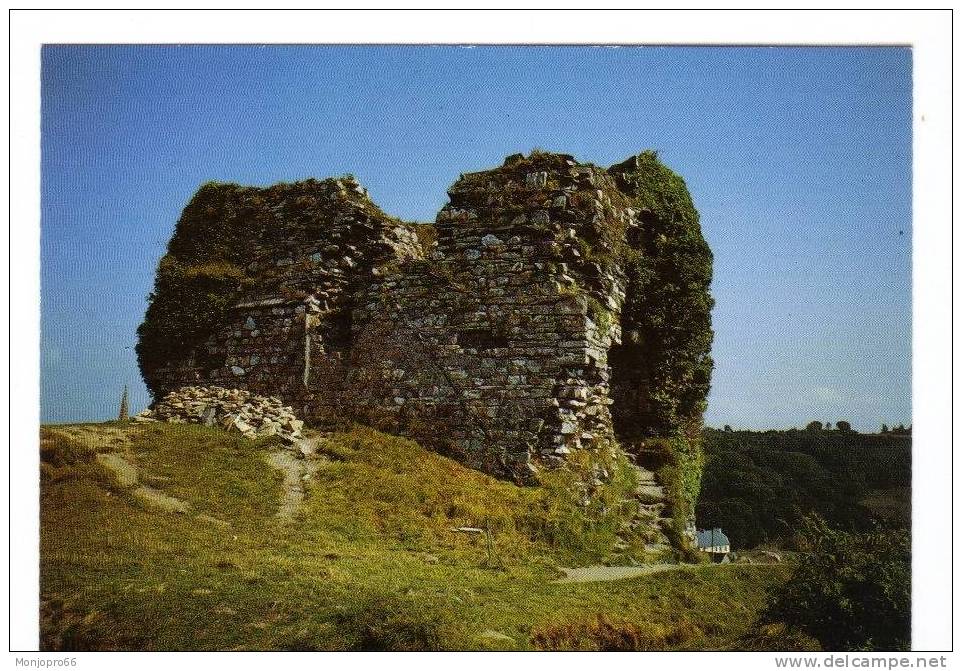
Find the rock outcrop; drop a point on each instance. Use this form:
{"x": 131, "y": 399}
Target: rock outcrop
{"x": 552, "y": 308}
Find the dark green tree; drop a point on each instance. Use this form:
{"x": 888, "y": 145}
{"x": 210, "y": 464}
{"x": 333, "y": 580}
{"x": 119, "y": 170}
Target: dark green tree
{"x": 843, "y": 426}
{"x": 813, "y": 426}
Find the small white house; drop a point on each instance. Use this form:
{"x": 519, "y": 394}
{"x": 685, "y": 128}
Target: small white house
{"x": 715, "y": 542}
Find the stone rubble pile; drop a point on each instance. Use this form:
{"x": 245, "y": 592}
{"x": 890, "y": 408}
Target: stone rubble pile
{"x": 237, "y": 410}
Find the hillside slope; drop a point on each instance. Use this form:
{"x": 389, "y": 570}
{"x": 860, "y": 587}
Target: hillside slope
{"x": 180, "y": 537}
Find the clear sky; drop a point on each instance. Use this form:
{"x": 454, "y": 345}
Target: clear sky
{"x": 798, "y": 159}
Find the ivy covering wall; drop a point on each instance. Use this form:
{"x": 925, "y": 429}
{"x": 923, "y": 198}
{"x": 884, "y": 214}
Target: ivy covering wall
{"x": 661, "y": 373}
{"x": 667, "y": 313}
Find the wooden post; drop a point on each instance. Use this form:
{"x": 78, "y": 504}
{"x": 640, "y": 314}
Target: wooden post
{"x": 488, "y": 537}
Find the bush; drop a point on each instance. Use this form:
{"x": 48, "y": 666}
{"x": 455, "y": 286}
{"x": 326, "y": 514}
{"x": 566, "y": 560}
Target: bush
{"x": 853, "y": 592}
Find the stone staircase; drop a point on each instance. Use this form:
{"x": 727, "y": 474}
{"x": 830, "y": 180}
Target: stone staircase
{"x": 652, "y": 516}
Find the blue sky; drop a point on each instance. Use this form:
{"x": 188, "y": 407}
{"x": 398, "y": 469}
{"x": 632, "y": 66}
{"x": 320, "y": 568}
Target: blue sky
{"x": 798, "y": 159}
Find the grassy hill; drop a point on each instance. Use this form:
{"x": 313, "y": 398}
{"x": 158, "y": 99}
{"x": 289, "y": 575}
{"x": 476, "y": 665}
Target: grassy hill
{"x": 180, "y": 537}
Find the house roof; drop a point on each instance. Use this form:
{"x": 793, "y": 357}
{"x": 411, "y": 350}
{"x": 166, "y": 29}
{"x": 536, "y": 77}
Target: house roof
{"x": 712, "y": 537}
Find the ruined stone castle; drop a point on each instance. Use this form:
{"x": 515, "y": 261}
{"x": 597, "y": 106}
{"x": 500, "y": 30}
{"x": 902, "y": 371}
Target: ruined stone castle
{"x": 551, "y": 308}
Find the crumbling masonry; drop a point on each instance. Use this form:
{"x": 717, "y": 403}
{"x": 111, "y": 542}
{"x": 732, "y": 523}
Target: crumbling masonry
{"x": 516, "y": 330}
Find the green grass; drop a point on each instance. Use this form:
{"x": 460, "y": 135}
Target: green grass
{"x": 370, "y": 562}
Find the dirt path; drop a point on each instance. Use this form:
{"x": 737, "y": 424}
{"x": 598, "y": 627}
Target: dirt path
{"x": 608, "y": 573}
{"x": 124, "y": 472}
{"x": 155, "y": 498}
{"x": 127, "y": 476}
{"x": 298, "y": 466}
{"x": 112, "y": 445}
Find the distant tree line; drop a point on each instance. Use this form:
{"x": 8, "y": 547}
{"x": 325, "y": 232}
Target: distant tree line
{"x": 759, "y": 486}
{"x": 840, "y": 425}
{"x": 844, "y": 426}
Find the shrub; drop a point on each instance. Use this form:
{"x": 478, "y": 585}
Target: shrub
{"x": 427, "y": 237}
{"x": 853, "y": 592}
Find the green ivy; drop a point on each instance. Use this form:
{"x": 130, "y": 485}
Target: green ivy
{"x": 667, "y": 310}
{"x": 186, "y": 304}
{"x": 600, "y": 315}
{"x": 681, "y": 475}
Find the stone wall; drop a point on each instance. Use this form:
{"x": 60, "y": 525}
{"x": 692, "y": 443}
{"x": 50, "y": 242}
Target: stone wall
{"x": 286, "y": 327}
{"x": 494, "y": 335}
{"x": 496, "y": 346}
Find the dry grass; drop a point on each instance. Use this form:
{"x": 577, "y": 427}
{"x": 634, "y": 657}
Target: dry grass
{"x": 602, "y": 633}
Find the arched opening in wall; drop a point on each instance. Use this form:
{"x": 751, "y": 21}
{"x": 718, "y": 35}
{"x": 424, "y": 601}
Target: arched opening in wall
{"x": 631, "y": 412}
{"x": 338, "y": 327}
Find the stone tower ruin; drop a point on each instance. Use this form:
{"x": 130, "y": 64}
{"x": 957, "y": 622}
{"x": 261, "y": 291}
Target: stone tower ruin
{"x": 552, "y": 307}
